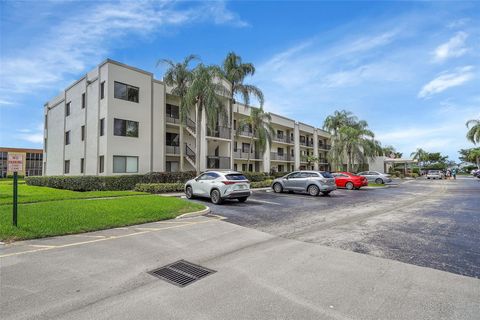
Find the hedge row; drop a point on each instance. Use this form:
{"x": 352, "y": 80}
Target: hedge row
{"x": 261, "y": 184}
{"x": 159, "y": 187}
{"x": 103, "y": 183}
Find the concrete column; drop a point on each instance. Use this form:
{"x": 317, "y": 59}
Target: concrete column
{"x": 203, "y": 141}
{"x": 296, "y": 140}
{"x": 232, "y": 133}
{"x": 315, "y": 147}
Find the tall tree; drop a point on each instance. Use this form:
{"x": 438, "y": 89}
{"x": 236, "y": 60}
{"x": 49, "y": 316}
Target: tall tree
{"x": 178, "y": 76}
{"x": 420, "y": 155}
{"x": 262, "y": 130}
{"x": 473, "y": 133}
{"x": 470, "y": 155}
{"x": 358, "y": 143}
{"x": 206, "y": 94}
{"x": 332, "y": 124}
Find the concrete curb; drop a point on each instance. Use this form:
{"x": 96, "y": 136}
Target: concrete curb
{"x": 194, "y": 214}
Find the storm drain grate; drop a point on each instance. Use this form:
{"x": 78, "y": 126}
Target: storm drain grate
{"x": 181, "y": 273}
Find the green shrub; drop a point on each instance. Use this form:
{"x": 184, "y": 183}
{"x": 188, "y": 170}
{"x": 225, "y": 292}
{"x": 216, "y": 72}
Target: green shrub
{"x": 112, "y": 183}
{"x": 159, "y": 187}
{"x": 255, "y": 176}
{"x": 261, "y": 184}
{"x": 415, "y": 175}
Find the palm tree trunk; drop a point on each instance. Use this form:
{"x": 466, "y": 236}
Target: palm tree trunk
{"x": 182, "y": 149}
{"x": 478, "y": 162}
{"x": 249, "y": 152}
{"x": 199, "y": 137}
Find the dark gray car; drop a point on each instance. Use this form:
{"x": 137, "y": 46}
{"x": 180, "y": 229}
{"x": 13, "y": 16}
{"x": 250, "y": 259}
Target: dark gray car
{"x": 312, "y": 182}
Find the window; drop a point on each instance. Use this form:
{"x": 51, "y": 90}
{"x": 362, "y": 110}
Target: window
{"x": 280, "y": 151}
{"x": 244, "y": 167}
{"x": 327, "y": 175}
{"x": 102, "y": 126}
{"x": 172, "y": 166}
{"x": 280, "y": 134}
{"x": 172, "y": 111}
{"x": 101, "y": 164}
{"x": 83, "y": 133}
{"x": 66, "y": 168}
{"x": 246, "y": 147}
{"x": 234, "y": 124}
{"x": 67, "y": 109}
{"x": 82, "y": 165}
{"x": 67, "y": 137}
{"x": 125, "y": 164}
{"x": 125, "y": 92}
{"x": 83, "y": 101}
{"x": 125, "y": 128}
{"x": 172, "y": 139}
{"x": 294, "y": 175}
{"x": 102, "y": 90}
{"x": 280, "y": 168}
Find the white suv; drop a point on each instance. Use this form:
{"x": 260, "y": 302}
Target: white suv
{"x": 218, "y": 186}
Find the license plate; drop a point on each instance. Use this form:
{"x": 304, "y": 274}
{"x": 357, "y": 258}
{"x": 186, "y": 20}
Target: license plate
{"x": 241, "y": 186}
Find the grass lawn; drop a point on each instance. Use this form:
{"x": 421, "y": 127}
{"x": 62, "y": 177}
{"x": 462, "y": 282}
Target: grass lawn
{"x": 53, "y": 218}
{"x": 27, "y": 194}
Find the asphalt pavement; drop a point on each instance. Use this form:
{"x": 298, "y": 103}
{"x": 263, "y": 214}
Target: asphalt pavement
{"x": 429, "y": 223}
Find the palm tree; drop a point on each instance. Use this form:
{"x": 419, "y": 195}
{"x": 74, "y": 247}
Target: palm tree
{"x": 332, "y": 124}
{"x": 178, "y": 76}
{"x": 473, "y": 133}
{"x": 234, "y": 71}
{"x": 388, "y": 151}
{"x": 420, "y": 155}
{"x": 262, "y": 130}
{"x": 357, "y": 143}
{"x": 204, "y": 94}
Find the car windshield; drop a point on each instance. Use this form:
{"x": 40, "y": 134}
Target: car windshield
{"x": 235, "y": 176}
{"x": 326, "y": 174}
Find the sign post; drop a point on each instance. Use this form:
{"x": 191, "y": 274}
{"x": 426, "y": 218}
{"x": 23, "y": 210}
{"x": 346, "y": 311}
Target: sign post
{"x": 15, "y": 164}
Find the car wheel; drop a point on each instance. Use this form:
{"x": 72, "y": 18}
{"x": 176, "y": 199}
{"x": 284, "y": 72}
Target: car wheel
{"x": 349, "y": 186}
{"x": 326, "y": 193}
{"x": 242, "y": 199}
{"x": 277, "y": 187}
{"x": 189, "y": 192}
{"x": 379, "y": 181}
{"x": 313, "y": 190}
{"x": 215, "y": 197}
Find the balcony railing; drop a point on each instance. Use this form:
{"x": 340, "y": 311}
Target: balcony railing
{"x": 282, "y": 138}
{"x": 219, "y": 132}
{"x": 218, "y": 162}
{"x": 172, "y": 149}
{"x": 171, "y": 119}
{"x": 190, "y": 153}
{"x": 191, "y": 124}
{"x": 324, "y": 146}
{"x": 245, "y": 133}
{"x": 280, "y": 157}
{"x": 239, "y": 154}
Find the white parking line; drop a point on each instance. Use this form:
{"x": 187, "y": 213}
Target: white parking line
{"x": 263, "y": 201}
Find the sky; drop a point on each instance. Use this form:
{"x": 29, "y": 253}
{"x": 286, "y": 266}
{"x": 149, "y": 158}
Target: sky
{"x": 410, "y": 69}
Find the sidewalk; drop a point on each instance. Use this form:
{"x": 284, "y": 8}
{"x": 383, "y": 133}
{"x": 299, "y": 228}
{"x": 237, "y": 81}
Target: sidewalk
{"x": 103, "y": 275}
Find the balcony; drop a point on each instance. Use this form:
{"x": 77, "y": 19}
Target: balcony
{"x": 220, "y": 132}
{"x": 245, "y": 133}
{"x": 171, "y": 119}
{"x": 281, "y": 138}
{"x": 274, "y": 156}
{"x": 218, "y": 162}
{"x": 239, "y": 154}
{"x": 324, "y": 146}
{"x": 172, "y": 149}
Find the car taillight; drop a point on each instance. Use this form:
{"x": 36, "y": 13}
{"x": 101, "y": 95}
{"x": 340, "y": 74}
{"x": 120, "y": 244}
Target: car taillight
{"x": 233, "y": 182}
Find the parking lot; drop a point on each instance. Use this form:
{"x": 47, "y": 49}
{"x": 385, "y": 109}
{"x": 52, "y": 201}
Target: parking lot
{"x": 422, "y": 222}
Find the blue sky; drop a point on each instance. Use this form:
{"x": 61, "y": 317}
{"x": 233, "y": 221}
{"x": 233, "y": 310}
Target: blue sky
{"x": 411, "y": 69}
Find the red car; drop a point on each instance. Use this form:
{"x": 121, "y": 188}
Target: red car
{"x": 349, "y": 180}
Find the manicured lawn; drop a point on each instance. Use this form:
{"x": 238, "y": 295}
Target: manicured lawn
{"x": 27, "y": 194}
{"x": 44, "y": 219}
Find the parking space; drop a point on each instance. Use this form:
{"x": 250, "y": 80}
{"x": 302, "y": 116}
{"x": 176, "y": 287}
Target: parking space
{"x": 422, "y": 222}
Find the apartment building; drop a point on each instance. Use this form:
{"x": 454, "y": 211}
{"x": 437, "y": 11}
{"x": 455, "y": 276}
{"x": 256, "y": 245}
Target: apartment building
{"x": 118, "y": 119}
{"x": 32, "y": 161}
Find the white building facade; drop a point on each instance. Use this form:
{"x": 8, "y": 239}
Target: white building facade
{"x": 118, "y": 119}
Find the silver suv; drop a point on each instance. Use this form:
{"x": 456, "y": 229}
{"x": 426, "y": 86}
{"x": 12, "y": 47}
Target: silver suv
{"x": 218, "y": 186}
{"x": 312, "y": 182}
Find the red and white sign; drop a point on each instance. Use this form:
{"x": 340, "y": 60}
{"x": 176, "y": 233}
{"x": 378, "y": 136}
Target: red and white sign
{"x": 15, "y": 162}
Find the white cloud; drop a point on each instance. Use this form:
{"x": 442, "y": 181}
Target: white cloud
{"x": 85, "y": 38}
{"x": 32, "y": 135}
{"x": 4, "y": 102}
{"x": 447, "y": 80}
{"x": 453, "y": 48}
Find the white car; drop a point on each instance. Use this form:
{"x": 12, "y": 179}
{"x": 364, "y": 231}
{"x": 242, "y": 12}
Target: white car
{"x": 218, "y": 186}
{"x": 435, "y": 174}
